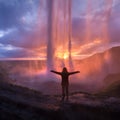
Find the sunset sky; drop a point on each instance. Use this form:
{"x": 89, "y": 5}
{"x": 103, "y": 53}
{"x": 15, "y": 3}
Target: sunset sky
{"x": 23, "y": 27}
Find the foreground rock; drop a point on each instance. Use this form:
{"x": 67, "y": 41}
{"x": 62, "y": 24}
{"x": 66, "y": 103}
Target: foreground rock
{"x": 18, "y": 103}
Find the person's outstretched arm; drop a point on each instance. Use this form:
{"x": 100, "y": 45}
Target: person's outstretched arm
{"x": 59, "y": 73}
{"x": 70, "y": 73}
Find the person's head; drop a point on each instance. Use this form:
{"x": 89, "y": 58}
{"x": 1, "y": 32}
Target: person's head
{"x": 64, "y": 69}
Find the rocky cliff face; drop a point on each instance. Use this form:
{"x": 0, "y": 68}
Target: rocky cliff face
{"x": 95, "y": 68}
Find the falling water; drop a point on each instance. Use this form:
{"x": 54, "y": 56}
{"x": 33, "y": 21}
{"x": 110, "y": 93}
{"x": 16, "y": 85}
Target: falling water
{"x": 107, "y": 14}
{"x": 53, "y": 28}
{"x": 70, "y": 34}
{"x": 50, "y": 44}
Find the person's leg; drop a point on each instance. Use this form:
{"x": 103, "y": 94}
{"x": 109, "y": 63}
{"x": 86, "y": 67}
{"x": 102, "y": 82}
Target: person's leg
{"x": 63, "y": 92}
{"x": 67, "y": 92}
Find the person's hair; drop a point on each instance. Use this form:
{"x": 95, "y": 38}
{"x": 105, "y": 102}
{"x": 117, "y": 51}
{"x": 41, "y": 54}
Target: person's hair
{"x": 64, "y": 69}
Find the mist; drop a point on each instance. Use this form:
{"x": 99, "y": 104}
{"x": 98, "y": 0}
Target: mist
{"x": 93, "y": 72}
{"x": 61, "y": 34}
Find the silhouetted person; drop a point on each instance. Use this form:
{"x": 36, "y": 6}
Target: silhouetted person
{"x": 65, "y": 81}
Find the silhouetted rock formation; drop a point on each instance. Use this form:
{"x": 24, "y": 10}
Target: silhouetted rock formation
{"x": 112, "y": 86}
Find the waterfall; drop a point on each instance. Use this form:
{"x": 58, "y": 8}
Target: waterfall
{"x": 55, "y": 31}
